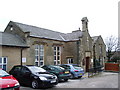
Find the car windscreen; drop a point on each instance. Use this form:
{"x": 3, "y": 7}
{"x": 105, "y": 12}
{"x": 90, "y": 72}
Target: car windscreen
{"x": 58, "y": 67}
{"x": 3, "y": 73}
{"x": 35, "y": 69}
{"x": 66, "y": 67}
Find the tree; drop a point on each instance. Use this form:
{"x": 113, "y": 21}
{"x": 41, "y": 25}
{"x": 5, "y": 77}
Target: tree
{"x": 112, "y": 45}
{"x": 115, "y": 58}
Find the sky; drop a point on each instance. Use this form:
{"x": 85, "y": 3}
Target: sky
{"x": 63, "y": 15}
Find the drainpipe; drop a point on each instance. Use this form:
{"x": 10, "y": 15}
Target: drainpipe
{"x": 78, "y": 50}
{"x": 94, "y": 57}
{"x": 21, "y": 55}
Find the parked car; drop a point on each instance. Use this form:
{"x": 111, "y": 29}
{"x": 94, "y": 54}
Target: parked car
{"x": 33, "y": 76}
{"x": 60, "y": 72}
{"x": 75, "y": 70}
{"x": 7, "y": 81}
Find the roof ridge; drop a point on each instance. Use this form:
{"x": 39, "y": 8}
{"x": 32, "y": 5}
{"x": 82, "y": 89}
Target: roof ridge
{"x": 47, "y": 33}
{"x": 36, "y": 27}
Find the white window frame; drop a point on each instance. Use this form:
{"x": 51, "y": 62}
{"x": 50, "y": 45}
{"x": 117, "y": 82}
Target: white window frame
{"x": 39, "y": 52}
{"x": 2, "y": 63}
{"x": 69, "y": 60}
{"x": 57, "y": 55}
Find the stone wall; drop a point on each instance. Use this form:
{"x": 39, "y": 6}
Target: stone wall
{"x": 68, "y": 50}
{"x": 13, "y": 55}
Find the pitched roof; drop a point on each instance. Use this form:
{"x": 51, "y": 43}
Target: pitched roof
{"x": 39, "y": 32}
{"x": 95, "y": 38}
{"x": 7, "y": 39}
{"x": 49, "y": 34}
{"x": 75, "y": 35}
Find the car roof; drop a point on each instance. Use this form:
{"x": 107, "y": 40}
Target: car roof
{"x": 49, "y": 65}
{"x": 55, "y": 66}
{"x": 25, "y": 65}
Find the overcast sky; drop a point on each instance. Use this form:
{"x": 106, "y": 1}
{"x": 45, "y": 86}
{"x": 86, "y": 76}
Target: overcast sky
{"x": 63, "y": 15}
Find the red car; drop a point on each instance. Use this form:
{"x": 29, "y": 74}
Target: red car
{"x": 7, "y": 81}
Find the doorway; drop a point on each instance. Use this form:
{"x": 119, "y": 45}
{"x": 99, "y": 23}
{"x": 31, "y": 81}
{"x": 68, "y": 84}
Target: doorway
{"x": 87, "y": 63}
{"x": 70, "y": 60}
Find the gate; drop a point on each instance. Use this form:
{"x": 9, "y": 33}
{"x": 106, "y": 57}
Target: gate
{"x": 111, "y": 67}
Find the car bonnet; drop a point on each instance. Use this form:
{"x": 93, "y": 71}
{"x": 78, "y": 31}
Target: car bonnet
{"x": 44, "y": 75}
{"x": 8, "y": 81}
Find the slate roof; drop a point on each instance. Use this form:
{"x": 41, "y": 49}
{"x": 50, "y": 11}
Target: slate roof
{"x": 95, "y": 38}
{"x": 7, "y": 39}
{"x": 73, "y": 36}
{"x": 49, "y": 34}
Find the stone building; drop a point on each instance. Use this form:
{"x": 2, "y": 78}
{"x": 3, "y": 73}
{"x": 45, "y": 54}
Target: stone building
{"x": 99, "y": 47}
{"x": 40, "y": 46}
{"x": 10, "y": 50}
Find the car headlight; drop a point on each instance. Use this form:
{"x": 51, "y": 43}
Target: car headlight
{"x": 55, "y": 77}
{"x": 17, "y": 84}
{"x": 81, "y": 69}
{"x": 43, "y": 78}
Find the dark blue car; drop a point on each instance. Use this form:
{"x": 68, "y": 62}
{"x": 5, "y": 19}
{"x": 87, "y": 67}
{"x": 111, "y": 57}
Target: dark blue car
{"x": 75, "y": 70}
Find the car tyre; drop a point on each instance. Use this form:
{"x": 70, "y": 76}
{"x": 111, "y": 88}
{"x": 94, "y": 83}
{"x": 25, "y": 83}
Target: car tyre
{"x": 72, "y": 76}
{"x": 35, "y": 84}
{"x": 65, "y": 80}
{"x": 80, "y": 77}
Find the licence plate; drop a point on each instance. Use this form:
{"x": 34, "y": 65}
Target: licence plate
{"x": 67, "y": 72}
{"x": 80, "y": 73}
{"x": 53, "y": 81}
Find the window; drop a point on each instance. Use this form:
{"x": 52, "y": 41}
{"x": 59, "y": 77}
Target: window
{"x": 57, "y": 55}
{"x": 86, "y": 24}
{"x": 70, "y": 60}
{"x": 24, "y": 70}
{"x": 100, "y": 49}
{"x": 17, "y": 69}
{"x": 3, "y": 63}
{"x": 39, "y": 55}
{"x": 11, "y": 27}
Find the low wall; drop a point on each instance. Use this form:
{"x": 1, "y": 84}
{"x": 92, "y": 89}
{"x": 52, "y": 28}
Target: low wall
{"x": 111, "y": 67}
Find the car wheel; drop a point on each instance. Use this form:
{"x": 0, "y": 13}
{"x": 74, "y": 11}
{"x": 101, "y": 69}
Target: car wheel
{"x": 35, "y": 84}
{"x": 72, "y": 76}
{"x": 66, "y": 80}
{"x": 80, "y": 76}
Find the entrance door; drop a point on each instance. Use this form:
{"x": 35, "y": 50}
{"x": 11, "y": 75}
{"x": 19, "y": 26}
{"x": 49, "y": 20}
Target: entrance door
{"x": 87, "y": 63}
{"x": 70, "y": 60}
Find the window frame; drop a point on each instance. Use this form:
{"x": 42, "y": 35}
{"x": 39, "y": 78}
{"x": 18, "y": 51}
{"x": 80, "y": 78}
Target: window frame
{"x": 57, "y": 55}
{"x": 70, "y": 60}
{"x": 39, "y": 52}
{"x": 2, "y": 63}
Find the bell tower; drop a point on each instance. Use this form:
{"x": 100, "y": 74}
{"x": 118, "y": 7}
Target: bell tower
{"x": 84, "y": 24}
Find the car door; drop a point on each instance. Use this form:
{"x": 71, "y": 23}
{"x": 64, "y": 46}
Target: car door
{"x": 53, "y": 70}
{"x": 25, "y": 75}
{"x": 16, "y": 72}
